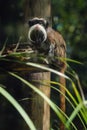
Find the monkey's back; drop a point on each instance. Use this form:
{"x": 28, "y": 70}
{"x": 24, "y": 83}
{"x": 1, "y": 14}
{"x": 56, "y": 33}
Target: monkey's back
{"x": 57, "y": 40}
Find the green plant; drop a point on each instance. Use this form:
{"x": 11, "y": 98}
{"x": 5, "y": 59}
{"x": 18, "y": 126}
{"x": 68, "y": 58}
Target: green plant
{"x": 78, "y": 103}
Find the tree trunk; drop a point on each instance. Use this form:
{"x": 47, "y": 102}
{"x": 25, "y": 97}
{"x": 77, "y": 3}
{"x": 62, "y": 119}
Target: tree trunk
{"x": 37, "y": 8}
{"x": 40, "y": 110}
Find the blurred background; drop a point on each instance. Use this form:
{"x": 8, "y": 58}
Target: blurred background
{"x": 68, "y": 17}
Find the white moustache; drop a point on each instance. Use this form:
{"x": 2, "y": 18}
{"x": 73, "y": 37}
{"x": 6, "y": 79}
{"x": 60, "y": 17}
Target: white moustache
{"x": 39, "y": 27}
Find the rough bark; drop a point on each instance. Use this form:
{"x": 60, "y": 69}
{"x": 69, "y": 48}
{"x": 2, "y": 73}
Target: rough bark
{"x": 40, "y": 109}
{"x": 37, "y": 8}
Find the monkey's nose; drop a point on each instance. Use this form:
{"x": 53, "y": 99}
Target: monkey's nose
{"x": 37, "y": 27}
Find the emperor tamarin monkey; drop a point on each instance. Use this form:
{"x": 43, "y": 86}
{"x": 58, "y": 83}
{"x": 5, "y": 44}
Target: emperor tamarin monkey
{"x": 47, "y": 41}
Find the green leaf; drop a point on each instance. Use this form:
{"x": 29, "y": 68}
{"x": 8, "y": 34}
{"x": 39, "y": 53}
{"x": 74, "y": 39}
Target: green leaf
{"x": 18, "y": 107}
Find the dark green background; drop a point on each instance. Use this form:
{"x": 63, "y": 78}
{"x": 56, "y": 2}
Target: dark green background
{"x": 69, "y": 18}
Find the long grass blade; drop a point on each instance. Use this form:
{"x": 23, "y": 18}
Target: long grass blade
{"x": 18, "y": 107}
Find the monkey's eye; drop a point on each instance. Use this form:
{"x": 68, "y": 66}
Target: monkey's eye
{"x": 30, "y": 23}
{"x": 33, "y": 22}
{"x": 42, "y": 23}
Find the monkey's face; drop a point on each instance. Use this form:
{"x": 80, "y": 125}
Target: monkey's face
{"x": 37, "y": 33}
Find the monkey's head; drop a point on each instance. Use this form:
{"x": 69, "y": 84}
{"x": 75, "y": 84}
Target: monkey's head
{"x": 37, "y": 32}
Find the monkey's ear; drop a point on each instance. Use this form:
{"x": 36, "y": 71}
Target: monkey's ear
{"x": 30, "y": 22}
{"x": 47, "y": 24}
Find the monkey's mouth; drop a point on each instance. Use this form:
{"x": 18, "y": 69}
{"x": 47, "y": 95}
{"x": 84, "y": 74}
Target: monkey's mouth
{"x": 37, "y": 34}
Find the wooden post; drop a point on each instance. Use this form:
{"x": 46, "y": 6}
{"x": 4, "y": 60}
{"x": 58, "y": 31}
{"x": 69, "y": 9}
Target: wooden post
{"x": 40, "y": 113}
{"x": 37, "y": 8}
{"x": 40, "y": 110}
